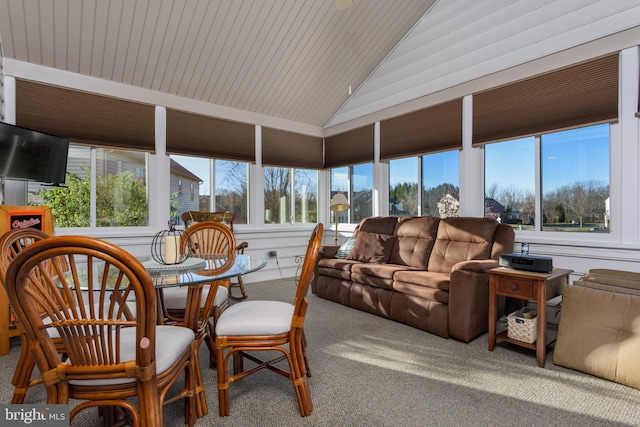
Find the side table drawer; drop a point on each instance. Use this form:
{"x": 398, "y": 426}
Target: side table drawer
{"x": 516, "y": 287}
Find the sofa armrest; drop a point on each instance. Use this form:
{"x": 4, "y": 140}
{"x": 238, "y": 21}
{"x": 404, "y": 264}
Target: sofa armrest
{"x": 326, "y": 251}
{"x": 469, "y": 302}
{"x": 477, "y": 265}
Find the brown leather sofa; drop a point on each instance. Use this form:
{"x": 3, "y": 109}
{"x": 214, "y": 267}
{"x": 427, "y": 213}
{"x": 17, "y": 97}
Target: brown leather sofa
{"x": 425, "y": 272}
{"x": 599, "y": 331}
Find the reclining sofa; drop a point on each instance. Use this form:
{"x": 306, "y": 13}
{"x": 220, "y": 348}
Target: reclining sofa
{"x": 426, "y": 272}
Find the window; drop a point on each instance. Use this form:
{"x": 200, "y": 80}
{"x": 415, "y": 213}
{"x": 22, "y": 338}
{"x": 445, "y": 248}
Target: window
{"x": 231, "y": 189}
{"x": 355, "y": 182}
{"x": 510, "y": 182}
{"x": 121, "y": 194}
{"x": 278, "y": 187}
{"x": 575, "y": 180}
{"x": 441, "y": 184}
{"x": 403, "y": 187}
{"x": 361, "y": 200}
{"x": 574, "y": 170}
{"x": 438, "y": 176}
{"x": 194, "y": 171}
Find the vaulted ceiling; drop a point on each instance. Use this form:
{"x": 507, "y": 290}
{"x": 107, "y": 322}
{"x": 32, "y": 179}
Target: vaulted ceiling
{"x": 292, "y": 59}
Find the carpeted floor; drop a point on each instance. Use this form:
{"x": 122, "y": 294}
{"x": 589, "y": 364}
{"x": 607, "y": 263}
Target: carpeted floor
{"x": 369, "y": 371}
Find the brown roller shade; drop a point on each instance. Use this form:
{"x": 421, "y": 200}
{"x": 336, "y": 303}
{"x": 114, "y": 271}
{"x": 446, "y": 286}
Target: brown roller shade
{"x": 85, "y": 118}
{"x": 206, "y": 136}
{"x": 348, "y": 148}
{"x": 433, "y": 129}
{"x": 288, "y": 149}
{"x": 579, "y": 95}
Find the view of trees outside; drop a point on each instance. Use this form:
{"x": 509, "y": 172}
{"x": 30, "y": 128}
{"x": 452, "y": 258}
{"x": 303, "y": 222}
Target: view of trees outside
{"x": 277, "y": 193}
{"x": 574, "y": 180}
{"x": 439, "y": 182}
{"x": 232, "y": 190}
{"x": 306, "y": 195}
{"x": 361, "y": 199}
{"x": 121, "y": 190}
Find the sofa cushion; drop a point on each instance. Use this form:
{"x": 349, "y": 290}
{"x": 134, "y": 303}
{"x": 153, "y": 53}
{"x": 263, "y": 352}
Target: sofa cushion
{"x": 378, "y": 275}
{"x": 335, "y": 267}
{"x": 372, "y": 247}
{"x": 379, "y": 224}
{"x": 423, "y": 284}
{"x": 345, "y": 248}
{"x": 414, "y": 241}
{"x": 461, "y": 239}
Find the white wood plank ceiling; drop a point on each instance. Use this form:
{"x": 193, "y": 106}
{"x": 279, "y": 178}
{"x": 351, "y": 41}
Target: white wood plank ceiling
{"x": 283, "y": 58}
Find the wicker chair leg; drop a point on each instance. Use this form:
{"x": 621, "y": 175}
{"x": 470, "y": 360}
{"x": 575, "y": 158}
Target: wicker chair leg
{"x": 239, "y": 284}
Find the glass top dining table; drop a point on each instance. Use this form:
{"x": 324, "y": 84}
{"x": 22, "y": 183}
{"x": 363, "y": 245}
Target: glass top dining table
{"x": 200, "y": 269}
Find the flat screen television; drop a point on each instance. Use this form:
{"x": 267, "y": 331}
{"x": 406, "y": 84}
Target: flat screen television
{"x": 30, "y": 155}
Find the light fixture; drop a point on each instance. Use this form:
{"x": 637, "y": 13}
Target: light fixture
{"x": 339, "y": 203}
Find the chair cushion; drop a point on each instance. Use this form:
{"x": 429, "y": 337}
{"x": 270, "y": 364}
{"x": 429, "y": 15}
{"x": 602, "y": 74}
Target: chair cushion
{"x": 171, "y": 343}
{"x": 255, "y": 318}
{"x": 175, "y": 298}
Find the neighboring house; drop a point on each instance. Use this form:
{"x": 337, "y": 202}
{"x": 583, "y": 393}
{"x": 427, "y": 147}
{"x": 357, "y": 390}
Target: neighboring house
{"x": 185, "y": 188}
{"x": 492, "y": 209}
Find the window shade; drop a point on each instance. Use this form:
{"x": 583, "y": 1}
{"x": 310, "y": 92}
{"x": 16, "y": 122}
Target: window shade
{"x": 288, "y": 149}
{"x": 206, "y": 136}
{"x": 348, "y": 148}
{"x": 85, "y": 118}
{"x": 433, "y": 129}
{"x": 579, "y": 95}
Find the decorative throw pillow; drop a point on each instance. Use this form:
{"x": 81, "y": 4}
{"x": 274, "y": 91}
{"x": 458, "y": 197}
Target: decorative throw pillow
{"x": 372, "y": 247}
{"x": 346, "y": 247}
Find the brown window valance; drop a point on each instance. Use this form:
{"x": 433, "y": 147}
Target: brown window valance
{"x": 430, "y": 130}
{"x": 348, "y": 148}
{"x": 288, "y": 149}
{"x": 206, "y": 136}
{"x": 84, "y": 117}
{"x": 579, "y": 95}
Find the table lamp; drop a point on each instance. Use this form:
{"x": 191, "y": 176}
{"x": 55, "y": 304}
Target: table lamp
{"x": 339, "y": 203}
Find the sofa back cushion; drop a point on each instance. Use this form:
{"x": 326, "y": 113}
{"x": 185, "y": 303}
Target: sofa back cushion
{"x": 372, "y": 247}
{"x": 378, "y": 224}
{"x": 415, "y": 238}
{"x": 461, "y": 239}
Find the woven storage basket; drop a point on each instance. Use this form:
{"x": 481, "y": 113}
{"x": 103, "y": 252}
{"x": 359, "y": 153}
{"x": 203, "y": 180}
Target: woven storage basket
{"x": 521, "y": 328}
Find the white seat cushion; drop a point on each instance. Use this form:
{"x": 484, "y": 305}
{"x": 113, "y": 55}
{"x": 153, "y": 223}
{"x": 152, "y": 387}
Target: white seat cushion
{"x": 255, "y": 318}
{"x": 171, "y": 342}
{"x": 176, "y": 297}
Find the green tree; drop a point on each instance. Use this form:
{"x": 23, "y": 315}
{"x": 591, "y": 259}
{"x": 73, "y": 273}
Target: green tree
{"x": 121, "y": 201}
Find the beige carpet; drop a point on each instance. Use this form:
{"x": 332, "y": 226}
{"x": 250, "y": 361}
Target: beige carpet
{"x": 369, "y": 371}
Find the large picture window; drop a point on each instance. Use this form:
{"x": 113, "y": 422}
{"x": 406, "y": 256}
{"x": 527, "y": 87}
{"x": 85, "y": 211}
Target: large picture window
{"x": 279, "y": 186}
{"x": 574, "y": 183}
{"x": 119, "y": 184}
{"x": 356, "y": 183}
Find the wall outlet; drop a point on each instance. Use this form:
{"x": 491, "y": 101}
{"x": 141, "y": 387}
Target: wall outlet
{"x": 272, "y": 254}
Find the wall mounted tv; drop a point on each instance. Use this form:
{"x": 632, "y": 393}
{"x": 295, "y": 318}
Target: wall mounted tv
{"x": 30, "y": 155}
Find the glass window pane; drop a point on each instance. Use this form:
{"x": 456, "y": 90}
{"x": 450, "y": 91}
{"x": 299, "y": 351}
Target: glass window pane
{"x": 232, "y": 193}
{"x": 340, "y": 184}
{"x": 277, "y": 208}
{"x": 440, "y": 184}
{"x": 510, "y": 177}
{"x": 403, "y": 187}
{"x": 362, "y": 192}
{"x": 71, "y": 203}
{"x": 306, "y": 195}
{"x": 189, "y": 176}
{"x": 121, "y": 188}
{"x": 575, "y": 180}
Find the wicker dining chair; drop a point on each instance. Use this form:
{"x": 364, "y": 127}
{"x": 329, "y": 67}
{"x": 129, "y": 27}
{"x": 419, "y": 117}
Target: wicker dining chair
{"x": 213, "y": 240}
{"x": 81, "y": 287}
{"x": 253, "y": 326}
{"x": 11, "y": 244}
{"x": 193, "y": 217}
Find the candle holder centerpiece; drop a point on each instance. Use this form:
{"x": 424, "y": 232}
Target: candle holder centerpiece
{"x": 171, "y": 246}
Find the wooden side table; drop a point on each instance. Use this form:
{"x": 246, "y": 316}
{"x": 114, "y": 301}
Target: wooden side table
{"x": 529, "y": 286}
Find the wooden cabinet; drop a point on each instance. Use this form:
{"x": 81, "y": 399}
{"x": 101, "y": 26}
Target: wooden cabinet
{"x": 528, "y": 286}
